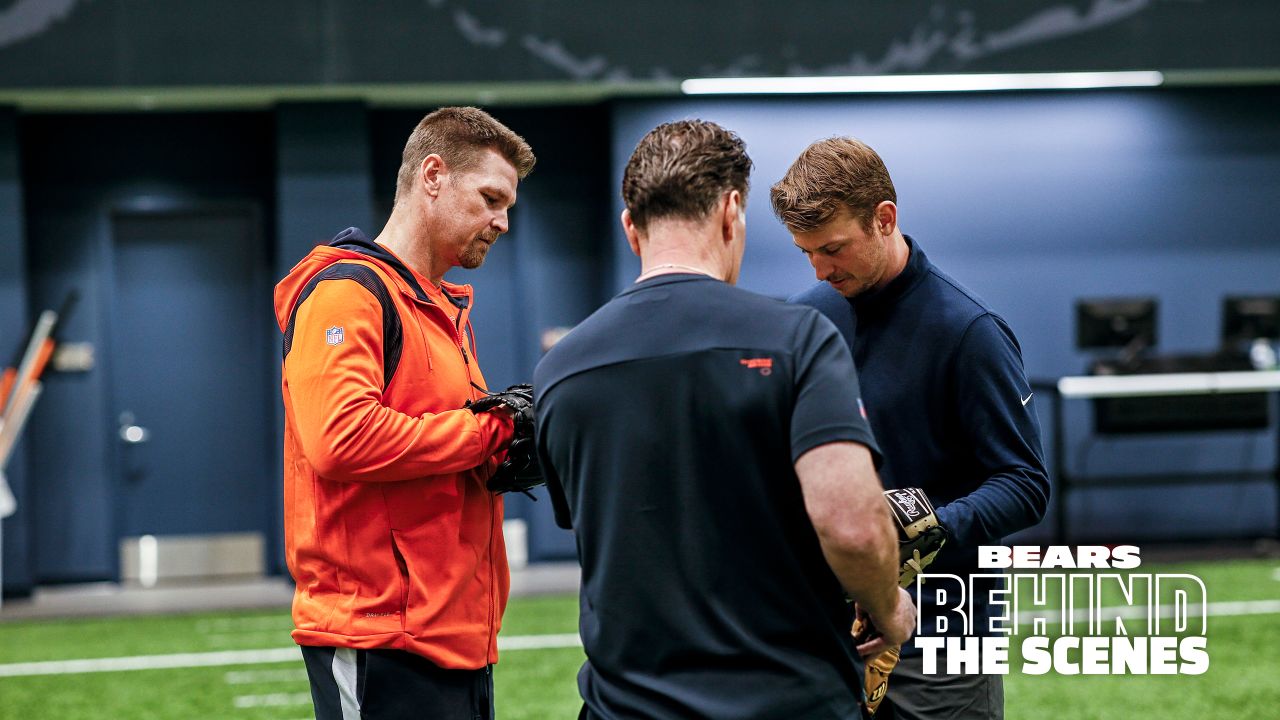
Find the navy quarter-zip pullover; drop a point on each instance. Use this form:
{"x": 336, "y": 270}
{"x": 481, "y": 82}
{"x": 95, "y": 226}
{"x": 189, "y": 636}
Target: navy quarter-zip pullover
{"x": 948, "y": 399}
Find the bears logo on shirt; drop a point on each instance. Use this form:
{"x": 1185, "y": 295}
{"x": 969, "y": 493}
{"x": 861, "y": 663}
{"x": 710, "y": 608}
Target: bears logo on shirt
{"x": 764, "y": 365}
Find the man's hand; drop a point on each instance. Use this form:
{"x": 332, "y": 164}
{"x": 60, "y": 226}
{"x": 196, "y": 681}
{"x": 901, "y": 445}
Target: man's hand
{"x": 519, "y": 471}
{"x": 881, "y": 633}
{"x": 516, "y": 400}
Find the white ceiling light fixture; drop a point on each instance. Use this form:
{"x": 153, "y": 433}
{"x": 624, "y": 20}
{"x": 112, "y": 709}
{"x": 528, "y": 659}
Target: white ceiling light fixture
{"x": 970, "y": 82}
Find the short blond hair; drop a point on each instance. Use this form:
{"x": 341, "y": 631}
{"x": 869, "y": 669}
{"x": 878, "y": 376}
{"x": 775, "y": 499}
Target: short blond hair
{"x": 459, "y": 135}
{"x": 831, "y": 176}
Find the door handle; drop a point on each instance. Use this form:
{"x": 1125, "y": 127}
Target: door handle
{"x": 130, "y": 432}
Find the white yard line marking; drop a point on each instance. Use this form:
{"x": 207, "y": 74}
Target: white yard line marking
{"x": 513, "y": 642}
{"x": 1275, "y": 574}
{"x": 152, "y": 662}
{"x": 539, "y": 642}
{"x": 233, "y": 657}
{"x": 272, "y": 700}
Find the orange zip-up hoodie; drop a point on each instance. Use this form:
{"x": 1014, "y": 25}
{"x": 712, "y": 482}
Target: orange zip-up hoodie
{"x": 390, "y": 534}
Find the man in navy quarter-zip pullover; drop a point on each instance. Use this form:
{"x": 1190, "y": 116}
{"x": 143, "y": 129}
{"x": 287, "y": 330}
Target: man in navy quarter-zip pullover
{"x": 943, "y": 383}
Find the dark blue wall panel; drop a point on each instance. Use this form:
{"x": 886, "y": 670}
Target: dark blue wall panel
{"x": 77, "y": 171}
{"x": 14, "y": 324}
{"x": 324, "y": 183}
{"x": 1034, "y": 200}
{"x": 323, "y": 186}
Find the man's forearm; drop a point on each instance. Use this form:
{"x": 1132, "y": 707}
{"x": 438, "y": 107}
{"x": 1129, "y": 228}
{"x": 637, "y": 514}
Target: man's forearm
{"x": 844, "y": 499}
{"x": 1003, "y": 505}
{"x": 866, "y": 563}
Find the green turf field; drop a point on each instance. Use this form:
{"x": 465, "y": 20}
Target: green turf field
{"x": 538, "y": 684}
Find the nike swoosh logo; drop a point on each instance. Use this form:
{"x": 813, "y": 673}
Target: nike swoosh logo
{"x": 1026, "y": 400}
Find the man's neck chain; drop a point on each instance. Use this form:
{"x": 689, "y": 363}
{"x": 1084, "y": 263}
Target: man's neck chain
{"x": 663, "y": 266}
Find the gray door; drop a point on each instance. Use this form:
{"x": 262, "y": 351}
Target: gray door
{"x": 191, "y": 379}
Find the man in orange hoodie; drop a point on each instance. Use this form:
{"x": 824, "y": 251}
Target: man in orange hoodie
{"x": 390, "y": 533}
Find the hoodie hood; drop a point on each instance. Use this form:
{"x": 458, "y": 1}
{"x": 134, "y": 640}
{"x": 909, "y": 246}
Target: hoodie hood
{"x": 351, "y": 244}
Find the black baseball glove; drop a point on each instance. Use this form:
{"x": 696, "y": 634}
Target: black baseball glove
{"x": 920, "y": 535}
{"x": 520, "y": 471}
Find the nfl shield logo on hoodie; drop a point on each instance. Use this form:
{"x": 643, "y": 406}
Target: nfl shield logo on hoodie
{"x": 333, "y": 335}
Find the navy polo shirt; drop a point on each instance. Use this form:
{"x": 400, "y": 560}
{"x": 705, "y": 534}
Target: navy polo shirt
{"x": 942, "y": 378}
{"x": 669, "y": 423}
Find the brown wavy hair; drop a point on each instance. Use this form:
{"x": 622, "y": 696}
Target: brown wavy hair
{"x": 681, "y": 169}
{"x": 830, "y": 176}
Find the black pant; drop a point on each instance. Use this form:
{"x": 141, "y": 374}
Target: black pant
{"x": 351, "y": 684}
{"x": 916, "y": 696}
{"x": 586, "y": 714}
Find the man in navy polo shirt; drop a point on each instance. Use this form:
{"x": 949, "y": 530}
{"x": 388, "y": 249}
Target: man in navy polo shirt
{"x": 943, "y": 385}
{"x": 706, "y": 447}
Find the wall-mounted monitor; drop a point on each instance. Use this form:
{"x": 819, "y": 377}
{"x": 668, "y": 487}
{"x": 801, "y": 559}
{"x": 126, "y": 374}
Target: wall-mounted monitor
{"x": 1245, "y": 318}
{"x": 1128, "y": 323}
